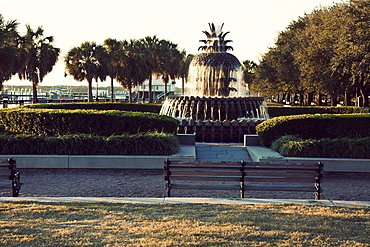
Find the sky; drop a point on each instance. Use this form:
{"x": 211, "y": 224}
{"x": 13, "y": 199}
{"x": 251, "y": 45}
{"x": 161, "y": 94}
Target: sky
{"x": 253, "y": 24}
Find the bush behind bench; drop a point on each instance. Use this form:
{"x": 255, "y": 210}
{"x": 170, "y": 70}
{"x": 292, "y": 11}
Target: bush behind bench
{"x": 134, "y": 107}
{"x": 314, "y": 127}
{"x": 275, "y": 111}
{"x": 96, "y": 122}
{"x": 293, "y": 146}
{"x": 153, "y": 143}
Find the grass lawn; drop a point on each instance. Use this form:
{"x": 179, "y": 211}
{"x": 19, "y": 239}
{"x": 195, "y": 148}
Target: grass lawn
{"x": 100, "y": 224}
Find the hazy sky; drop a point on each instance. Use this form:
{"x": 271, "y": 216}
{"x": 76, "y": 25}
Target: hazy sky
{"x": 253, "y": 25}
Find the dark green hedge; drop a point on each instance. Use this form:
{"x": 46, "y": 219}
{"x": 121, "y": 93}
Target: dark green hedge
{"x": 96, "y": 122}
{"x": 314, "y": 127}
{"x": 292, "y": 146}
{"x": 135, "y": 107}
{"x": 275, "y": 111}
{"x": 138, "y": 144}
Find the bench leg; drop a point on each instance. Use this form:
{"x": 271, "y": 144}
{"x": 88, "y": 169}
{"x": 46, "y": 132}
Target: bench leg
{"x": 168, "y": 191}
{"x": 16, "y": 185}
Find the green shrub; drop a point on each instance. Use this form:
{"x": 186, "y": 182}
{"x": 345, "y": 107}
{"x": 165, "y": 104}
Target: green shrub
{"x": 153, "y": 143}
{"x": 135, "y": 107}
{"x": 96, "y": 122}
{"x": 314, "y": 127}
{"x": 292, "y": 146}
{"x": 275, "y": 111}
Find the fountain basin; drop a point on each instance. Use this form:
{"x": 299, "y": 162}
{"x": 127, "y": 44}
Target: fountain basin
{"x": 215, "y": 108}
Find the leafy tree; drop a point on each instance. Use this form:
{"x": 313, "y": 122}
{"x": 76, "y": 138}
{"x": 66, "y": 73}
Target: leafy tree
{"x": 353, "y": 47}
{"x": 86, "y": 62}
{"x": 248, "y": 72}
{"x": 266, "y": 77}
{"x": 41, "y": 57}
{"x": 11, "y": 57}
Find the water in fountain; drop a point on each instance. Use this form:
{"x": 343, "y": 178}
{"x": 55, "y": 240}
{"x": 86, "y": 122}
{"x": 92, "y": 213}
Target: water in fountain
{"x": 215, "y": 89}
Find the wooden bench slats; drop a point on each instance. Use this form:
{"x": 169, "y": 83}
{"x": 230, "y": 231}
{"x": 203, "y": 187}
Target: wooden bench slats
{"x": 209, "y": 178}
{"x": 5, "y": 184}
{"x": 248, "y": 175}
{"x": 285, "y": 169}
{"x": 205, "y": 187}
{"x": 5, "y": 177}
{"x": 275, "y": 180}
{"x": 277, "y": 188}
{"x": 274, "y": 174}
{"x": 205, "y": 173}
{"x": 204, "y": 167}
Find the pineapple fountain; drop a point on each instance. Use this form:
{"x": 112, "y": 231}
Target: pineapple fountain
{"x": 216, "y": 107}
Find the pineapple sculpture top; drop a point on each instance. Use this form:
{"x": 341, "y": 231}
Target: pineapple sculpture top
{"x": 215, "y": 41}
{"x": 214, "y": 72}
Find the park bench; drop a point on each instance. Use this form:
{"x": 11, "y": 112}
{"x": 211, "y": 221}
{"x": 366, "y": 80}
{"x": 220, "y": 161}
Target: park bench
{"x": 243, "y": 176}
{"x": 9, "y": 177}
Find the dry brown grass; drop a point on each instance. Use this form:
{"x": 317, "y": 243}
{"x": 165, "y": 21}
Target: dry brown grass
{"x": 97, "y": 224}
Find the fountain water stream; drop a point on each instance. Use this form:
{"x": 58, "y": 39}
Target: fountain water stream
{"x": 216, "y": 107}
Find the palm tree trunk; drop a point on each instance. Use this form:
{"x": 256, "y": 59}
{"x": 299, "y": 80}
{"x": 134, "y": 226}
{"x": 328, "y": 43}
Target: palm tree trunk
{"x": 97, "y": 91}
{"x": 111, "y": 90}
{"x": 34, "y": 93}
{"x": 150, "y": 88}
{"x": 89, "y": 91}
{"x": 130, "y": 94}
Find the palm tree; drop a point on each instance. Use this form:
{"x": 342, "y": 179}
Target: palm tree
{"x": 150, "y": 49}
{"x": 133, "y": 69}
{"x": 115, "y": 54}
{"x": 41, "y": 57}
{"x": 184, "y": 69}
{"x": 170, "y": 60}
{"x": 10, "y": 55}
{"x": 86, "y": 63}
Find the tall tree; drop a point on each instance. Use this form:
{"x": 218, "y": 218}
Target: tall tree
{"x": 353, "y": 47}
{"x": 170, "y": 59}
{"x": 10, "y": 55}
{"x": 115, "y": 54}
{"x": 248, "y": 72}
{"x": 133, "y": 68}
{"x": 85, "y": 62}
{"x": 184, "y": 69}
{"x": 41, "y": 57}
{"x": 150, "y": 49}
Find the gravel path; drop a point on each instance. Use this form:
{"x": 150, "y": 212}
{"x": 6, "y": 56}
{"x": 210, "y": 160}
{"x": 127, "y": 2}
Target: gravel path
{"x": 129, "y": 183}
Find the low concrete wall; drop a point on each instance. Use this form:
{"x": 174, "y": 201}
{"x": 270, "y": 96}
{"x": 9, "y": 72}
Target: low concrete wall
{"x": 187, "y": 153}
{"x": 40, "y": 161}
{"x": 262, "y": 154}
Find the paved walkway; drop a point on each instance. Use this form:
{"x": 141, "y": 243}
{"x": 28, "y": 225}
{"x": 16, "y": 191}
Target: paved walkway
{"x": 204, "y": 152}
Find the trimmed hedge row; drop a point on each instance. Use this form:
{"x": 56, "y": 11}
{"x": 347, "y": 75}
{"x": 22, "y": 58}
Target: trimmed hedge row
{"x": 314, "y": 127}
{"x": 96, "y": 122}
{"x": 135, "y": 107}
{"x": 275, "y": 111}
{"x": 138, "y": 144}
{"x": 292, "y": 146}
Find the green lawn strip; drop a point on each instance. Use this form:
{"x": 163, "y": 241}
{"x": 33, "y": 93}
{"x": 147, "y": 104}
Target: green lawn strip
{"x": 103, "y": 224}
